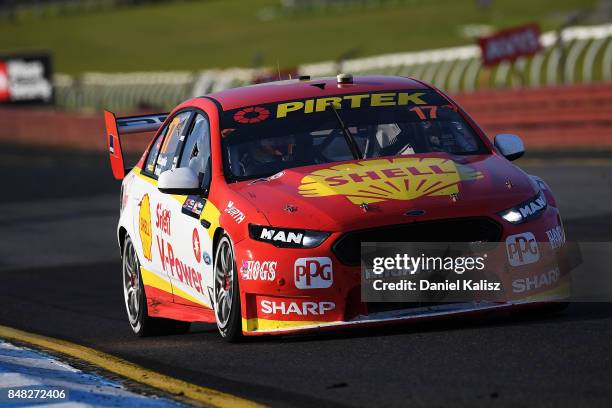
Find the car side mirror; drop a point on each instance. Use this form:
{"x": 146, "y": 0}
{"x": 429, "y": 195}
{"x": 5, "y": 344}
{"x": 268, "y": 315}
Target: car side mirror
{"x": 510, "y": 146}
{"x": 182, "y": 181}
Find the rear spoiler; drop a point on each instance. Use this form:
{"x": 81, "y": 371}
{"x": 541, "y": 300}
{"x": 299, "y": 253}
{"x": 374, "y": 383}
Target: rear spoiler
{"x": 126, "y": 125}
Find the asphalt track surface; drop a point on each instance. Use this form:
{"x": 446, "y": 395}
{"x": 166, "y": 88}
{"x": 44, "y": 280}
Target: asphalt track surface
{"x": 60, "y": 276}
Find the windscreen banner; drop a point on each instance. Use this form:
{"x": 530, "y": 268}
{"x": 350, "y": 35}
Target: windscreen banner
{"x": 26, "y": 79}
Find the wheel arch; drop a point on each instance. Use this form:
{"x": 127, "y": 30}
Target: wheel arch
{"x": 216, "y": 238}
{"x": 121, "y": 234}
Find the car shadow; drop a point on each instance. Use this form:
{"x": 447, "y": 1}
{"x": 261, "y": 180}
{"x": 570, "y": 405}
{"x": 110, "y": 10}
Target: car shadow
{"x": 486, "y": 320}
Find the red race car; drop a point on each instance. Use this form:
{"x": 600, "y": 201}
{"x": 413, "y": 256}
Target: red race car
{"x": 249, "y": 207}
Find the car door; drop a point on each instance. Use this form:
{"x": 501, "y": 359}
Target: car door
{"x": 157, "y": 212}
{"x": 195, "y": 249}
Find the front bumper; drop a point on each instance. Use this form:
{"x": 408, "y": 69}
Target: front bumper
{"x": 272, "y": 302}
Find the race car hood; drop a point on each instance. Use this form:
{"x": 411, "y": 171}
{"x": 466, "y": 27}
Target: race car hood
{"x": 365, "y": 193}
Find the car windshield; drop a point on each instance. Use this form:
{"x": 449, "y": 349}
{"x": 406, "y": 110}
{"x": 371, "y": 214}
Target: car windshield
{"x": 259, "y": 141}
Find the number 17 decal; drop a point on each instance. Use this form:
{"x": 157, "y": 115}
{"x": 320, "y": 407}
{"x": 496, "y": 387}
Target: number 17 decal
{"x": 433, "y": 112}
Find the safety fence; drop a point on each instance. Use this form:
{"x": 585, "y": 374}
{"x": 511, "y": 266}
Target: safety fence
{"x": 575, "y": 55}
{"x": 142, "y": 90}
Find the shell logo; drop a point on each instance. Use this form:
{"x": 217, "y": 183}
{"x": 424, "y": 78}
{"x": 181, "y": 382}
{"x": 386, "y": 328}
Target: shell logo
{"x": 388, "y": 179}
{"x": 197, "y": 249}
{"x": 144, "y": 226}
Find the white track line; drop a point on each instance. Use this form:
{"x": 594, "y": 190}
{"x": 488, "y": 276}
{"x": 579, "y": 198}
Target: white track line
{"x": 25, "y": 368}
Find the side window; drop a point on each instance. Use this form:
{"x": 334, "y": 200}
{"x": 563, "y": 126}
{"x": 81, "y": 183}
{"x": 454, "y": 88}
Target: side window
{"x": 150, "y": 164}
{"x": 167, "y": 151}
{"x": 196, "y": 151}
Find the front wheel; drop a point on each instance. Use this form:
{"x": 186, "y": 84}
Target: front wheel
{"x": 136, "y": 300}
{"x": 227, "y": 294}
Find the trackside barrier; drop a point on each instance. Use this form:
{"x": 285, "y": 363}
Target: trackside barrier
{"x": 586, "y": 58}
{"x": 559, "y": 117}
{"x": 547, "y": 117}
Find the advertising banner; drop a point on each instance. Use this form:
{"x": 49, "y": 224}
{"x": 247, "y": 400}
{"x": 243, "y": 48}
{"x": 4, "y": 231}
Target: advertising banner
{"x": 510, "y": 44}
{"x": 26, "y": 79}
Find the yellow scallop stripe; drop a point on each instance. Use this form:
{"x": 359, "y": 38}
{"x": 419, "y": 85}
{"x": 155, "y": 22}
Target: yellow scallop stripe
{"x": 151, "y": 279}
{"x": 255, "y": 324}
{"x": 180, "y": 292}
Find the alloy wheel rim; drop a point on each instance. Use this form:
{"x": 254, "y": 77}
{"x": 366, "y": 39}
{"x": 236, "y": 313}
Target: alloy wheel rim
{"x": 224, "y": 280}
{"x": 131, "y": 285}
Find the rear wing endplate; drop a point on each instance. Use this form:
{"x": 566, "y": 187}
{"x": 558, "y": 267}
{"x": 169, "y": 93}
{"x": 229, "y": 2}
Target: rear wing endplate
{"x": 116, "y": 127}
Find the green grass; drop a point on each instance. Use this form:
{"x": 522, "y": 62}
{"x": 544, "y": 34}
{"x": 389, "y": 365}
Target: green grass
{"x": 206, "y": 34}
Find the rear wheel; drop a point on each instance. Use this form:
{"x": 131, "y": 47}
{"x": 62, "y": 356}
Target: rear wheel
{"x": 136, "y": 300}
{"x": 226, "y": 291}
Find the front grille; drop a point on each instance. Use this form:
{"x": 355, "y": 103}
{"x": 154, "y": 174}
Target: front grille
{"x": 348, "y": 247}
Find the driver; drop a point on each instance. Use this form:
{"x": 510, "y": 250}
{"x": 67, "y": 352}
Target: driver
{"x": 273, "y": 150}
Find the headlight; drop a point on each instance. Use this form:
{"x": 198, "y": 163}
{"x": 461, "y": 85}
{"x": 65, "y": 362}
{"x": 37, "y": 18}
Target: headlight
{"x": 525, "y": 211}
{"x": 286, "y": 237}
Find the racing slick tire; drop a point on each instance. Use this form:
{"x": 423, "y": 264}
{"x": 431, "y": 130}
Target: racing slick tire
{"x": 226, "y": 292}
{"x": 136, "y": 300}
